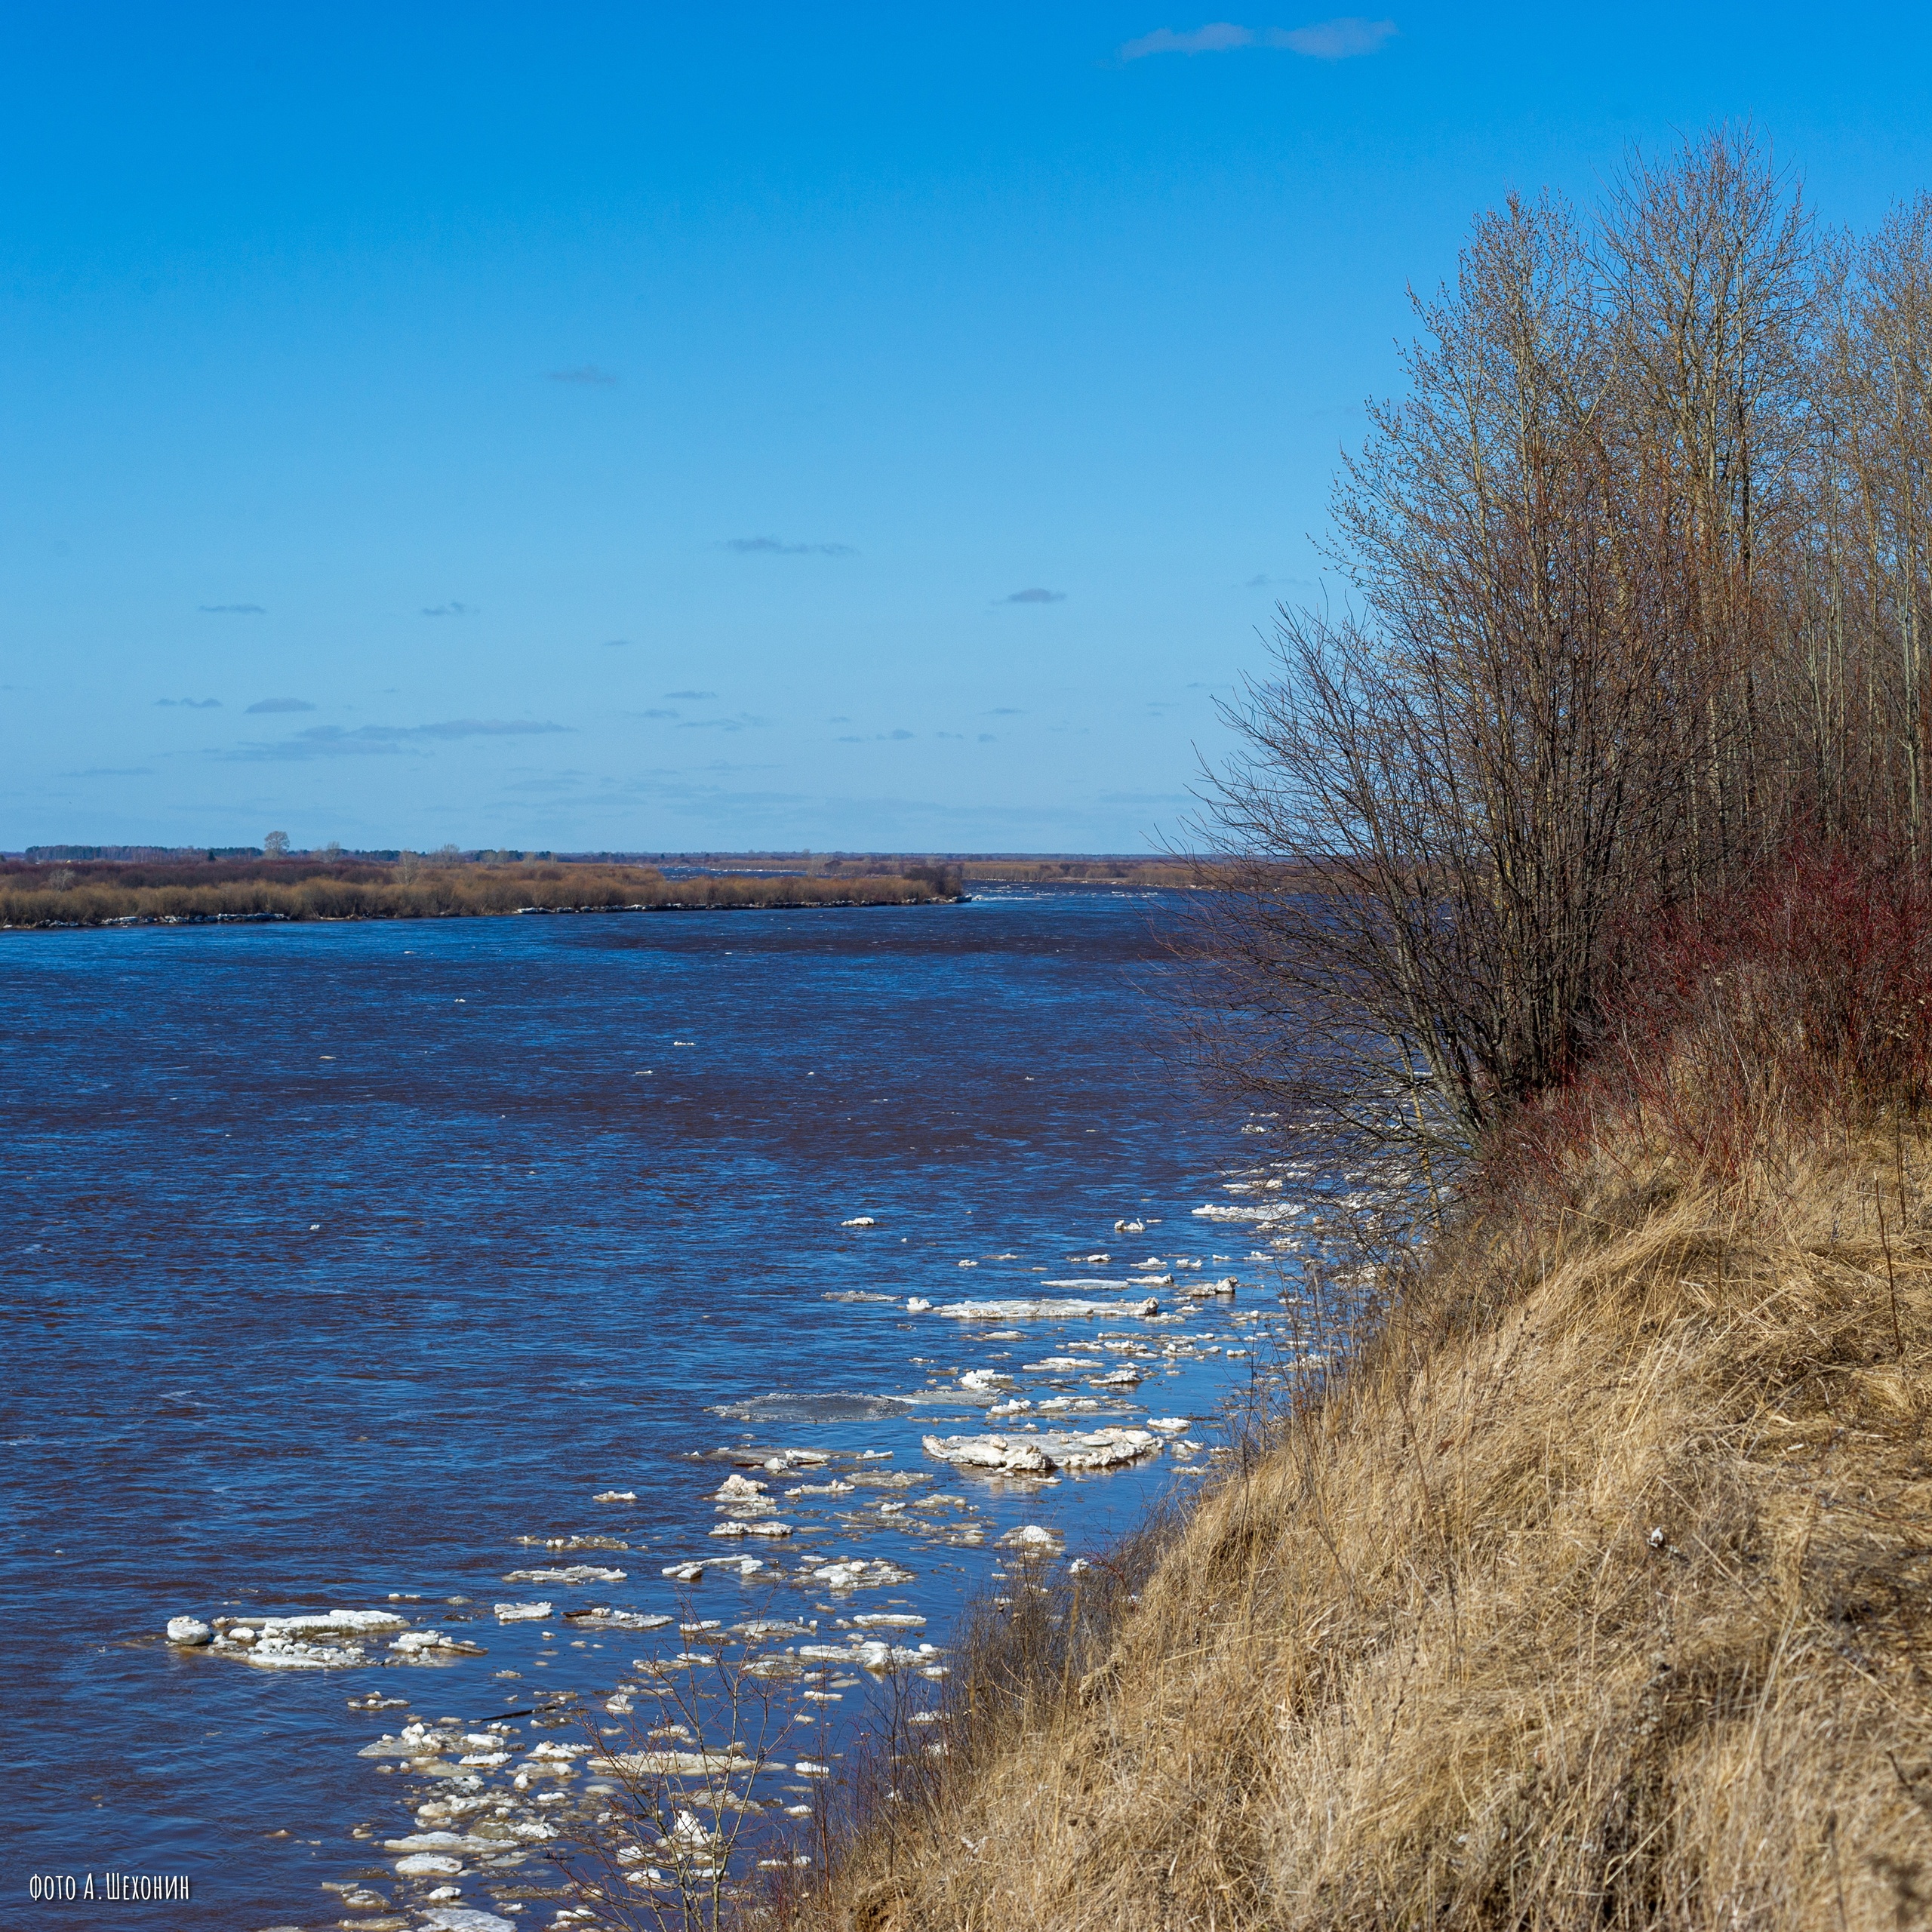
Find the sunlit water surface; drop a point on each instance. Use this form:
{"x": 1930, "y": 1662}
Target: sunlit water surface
{"x": 340, "y": 1260}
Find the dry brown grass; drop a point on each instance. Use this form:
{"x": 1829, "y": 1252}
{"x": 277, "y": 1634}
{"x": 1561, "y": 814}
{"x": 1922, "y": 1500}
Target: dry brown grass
{"x": 1427, "y": 1662}
{"x": 88, "y": 898}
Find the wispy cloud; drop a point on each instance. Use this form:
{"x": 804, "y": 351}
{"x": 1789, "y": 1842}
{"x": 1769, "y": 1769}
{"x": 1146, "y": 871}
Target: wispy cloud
{"x": 657, "y": 711}
{"x": 616, "y": 643}
{"x": 774, "y": 546}
{"x": 1261, "y": 579}
{"x": 459, "y": 727}
{"x": 281, "y": 704}
{"x": 1006, "y": 711}
{"x": 193, "y": 703}
{"x": 450, "y": 609}
{"x": 113, "y": 771}
{"x": 588, "y": 376}
{"x": 1218, "y": 37}
{"x": 234, "y": 610}
{"x": 743, "y": 722}
{"x": 695, "y": 697}
{"x": 1342, "y": 39}
{"x": 384, "y": 740}
{"x": 1036, "y": 595}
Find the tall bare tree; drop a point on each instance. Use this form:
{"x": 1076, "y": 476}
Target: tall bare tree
{"x": 1569, "y": 544}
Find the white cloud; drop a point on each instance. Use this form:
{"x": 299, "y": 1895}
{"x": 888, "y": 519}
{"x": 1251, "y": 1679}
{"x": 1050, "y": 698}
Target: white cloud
{"x": 380, "y": 740}
{"x": 1216, "y": 37}
{"x": 1341, "y": 39}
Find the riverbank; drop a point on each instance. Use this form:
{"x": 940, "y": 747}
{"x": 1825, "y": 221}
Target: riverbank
{"x": 54, "y": 896}
{"x": 1593, "y": 1592}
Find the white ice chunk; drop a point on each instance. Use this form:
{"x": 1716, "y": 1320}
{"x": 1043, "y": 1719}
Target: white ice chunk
{"x": 575, "y": 1573}
{"x": 1031, "y": 1454}
{"x": 1046, "y": 1311}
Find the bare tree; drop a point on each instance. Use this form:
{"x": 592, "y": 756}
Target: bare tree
{"x": 1545, "y": 708}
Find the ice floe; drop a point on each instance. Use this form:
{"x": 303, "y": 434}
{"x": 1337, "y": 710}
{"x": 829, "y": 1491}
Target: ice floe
{"x": 861, "y": 1221}
{"x": 855, "y": 1574}
{"x": 870, "y": 1654}
{"x": 524, "y": 1612}
{"x": 428, "y": 1865}
{"x": 782, "y": 1406}
{"x": 675, "y": 1764}
{"x": 329, "y": 1640}
{"x": 1226, "y": 1284}
{"x": 1046, "y": 1311}
{"x": 1032, "y": 1539}
{"x": 188, "y": 1631}
{"x": 448, "y": 1842}
{"x": 575, "y": 1573}
{"x": 431, "y": 1646}
{"x": 615, "y": 1495}
{"x": 1029, "y": 1453}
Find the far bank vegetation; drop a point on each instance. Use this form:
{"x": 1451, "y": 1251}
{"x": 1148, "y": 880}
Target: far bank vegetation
{"x": 412, "y": 887}
{"x": 1579, "y": 865}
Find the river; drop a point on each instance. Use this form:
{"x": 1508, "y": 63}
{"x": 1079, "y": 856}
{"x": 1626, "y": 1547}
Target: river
{"x": 348, "y": 1265}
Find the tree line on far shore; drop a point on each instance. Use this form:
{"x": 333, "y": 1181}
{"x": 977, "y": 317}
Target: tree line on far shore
{"x": 414, "y": 887}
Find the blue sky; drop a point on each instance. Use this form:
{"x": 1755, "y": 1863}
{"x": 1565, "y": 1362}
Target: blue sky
{"x": 666, "y": 428}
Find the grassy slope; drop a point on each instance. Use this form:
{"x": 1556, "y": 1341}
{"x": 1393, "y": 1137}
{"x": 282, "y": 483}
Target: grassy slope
{"x": 1423, "y": 1666}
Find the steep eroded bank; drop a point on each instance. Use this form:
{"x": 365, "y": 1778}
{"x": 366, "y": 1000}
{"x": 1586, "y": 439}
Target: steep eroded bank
{"x": 1595, "y": 1592}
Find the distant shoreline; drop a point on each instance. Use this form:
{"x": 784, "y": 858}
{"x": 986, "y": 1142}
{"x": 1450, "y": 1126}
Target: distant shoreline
{"x": 48, "y": 891}
{"x": 128, "y": 921}
{"x": 274, "y": 891}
